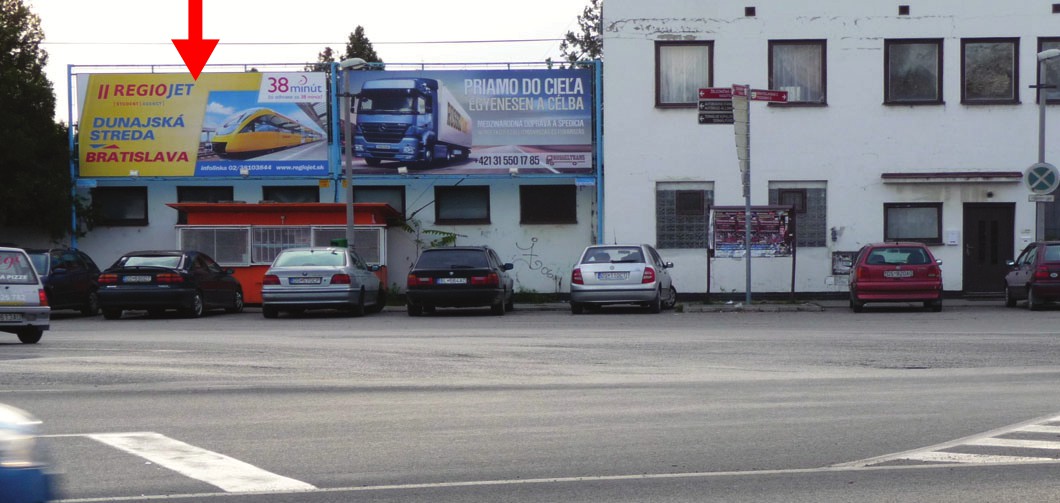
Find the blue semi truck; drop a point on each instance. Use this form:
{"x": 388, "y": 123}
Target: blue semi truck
{"x": 414, "y": 121}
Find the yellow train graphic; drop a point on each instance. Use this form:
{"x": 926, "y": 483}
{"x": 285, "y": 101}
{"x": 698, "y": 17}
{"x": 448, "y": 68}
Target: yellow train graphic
{"x": 258, "y": 131}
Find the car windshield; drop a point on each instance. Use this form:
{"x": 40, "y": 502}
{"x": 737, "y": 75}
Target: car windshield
{"x": 299, "y": 258}
{"x": 16, "y": 269}
{"x": 613, "y": 254}
{"x": 898, "y": 256}
{"x": 170, "y": 261}
{"x": 452, "y": 259}
{"x": 41, "y": 261}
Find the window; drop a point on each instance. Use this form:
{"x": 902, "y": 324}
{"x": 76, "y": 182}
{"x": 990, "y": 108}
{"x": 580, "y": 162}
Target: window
{"x": 120, "y": 206}
{"x": 392, "y": 195}
{"x": 1052, "y": 69}
{"x": 913, "y": 222}
{"x": 809, "y": 200}
{"x": 682, "y": 213}
{"x": 283, "y": 194}
{"x": 201, "y": 195}
{"x": 912, "y": 72}
{"x": 681, "y": 69}
{"x": 798, "y": 67}
{"x": 229, "y": 246}
{"x": 268, "y": 242}
{"x": 989, "y": 72}
{"x": 368, "y": 243}
{"x": 548, "y": 204}
{"x": 462, "y": 205}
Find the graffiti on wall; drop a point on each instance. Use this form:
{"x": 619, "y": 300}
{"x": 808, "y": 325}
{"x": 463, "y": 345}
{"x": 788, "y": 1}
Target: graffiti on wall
{"x": 532, "y": 261}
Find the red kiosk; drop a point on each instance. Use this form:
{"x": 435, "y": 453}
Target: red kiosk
{"x": 247, "y": 237}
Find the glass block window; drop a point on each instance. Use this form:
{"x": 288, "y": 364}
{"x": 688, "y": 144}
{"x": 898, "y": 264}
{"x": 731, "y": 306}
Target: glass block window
{"x": 368, "y": 243}
{"x": 268, "y": 242}
{"x": 228, "y": 246}
{"x": 810, "y": 202}
{"x": 682, "y": 214}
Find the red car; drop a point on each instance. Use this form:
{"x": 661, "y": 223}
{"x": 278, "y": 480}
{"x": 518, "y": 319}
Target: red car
{"x": 896, "y": 272}
{"x": 1035, "y": 275}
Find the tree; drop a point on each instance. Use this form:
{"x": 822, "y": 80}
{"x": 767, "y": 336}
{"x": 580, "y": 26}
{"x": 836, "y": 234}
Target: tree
{"x": 358, "y": 46}
{"x": 37, "y": 191}
{"x": 588, "y": 42}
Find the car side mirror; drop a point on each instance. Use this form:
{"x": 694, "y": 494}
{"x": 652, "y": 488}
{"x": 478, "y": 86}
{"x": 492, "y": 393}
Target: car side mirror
{"x": 938, "y": 261}
{"x": 374, "y": 267}
{"x": 1010, "y": 263}
{"x": 668, "y": 265}
{"x": 508, "y": 266}
{"x": 230, "y": 271}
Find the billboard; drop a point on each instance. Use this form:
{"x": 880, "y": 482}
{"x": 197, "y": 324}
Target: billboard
{"x": 223, "y": 124}
{"x": 472, "y": 121}
{"x": 772, "y": 231}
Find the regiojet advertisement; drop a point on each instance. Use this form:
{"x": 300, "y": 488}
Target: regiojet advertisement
{"x": 223, "y": 124}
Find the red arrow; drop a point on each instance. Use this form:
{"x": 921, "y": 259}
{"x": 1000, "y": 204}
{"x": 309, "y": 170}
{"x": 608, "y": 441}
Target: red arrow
{"x": 195, "y": 51}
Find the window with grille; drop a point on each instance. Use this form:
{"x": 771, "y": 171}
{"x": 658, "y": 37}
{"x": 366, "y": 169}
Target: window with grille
{"x": 682, "y": 214}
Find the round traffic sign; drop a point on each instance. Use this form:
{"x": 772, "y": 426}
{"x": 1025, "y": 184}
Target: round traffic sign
{"x": 1042, "y": 178}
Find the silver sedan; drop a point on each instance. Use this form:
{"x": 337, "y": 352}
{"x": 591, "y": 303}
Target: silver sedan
{"x": 321, "y": 278}
{"x": 621, "y": 274}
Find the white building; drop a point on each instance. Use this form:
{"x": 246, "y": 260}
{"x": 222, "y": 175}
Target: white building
{"x": 911, "y": 121}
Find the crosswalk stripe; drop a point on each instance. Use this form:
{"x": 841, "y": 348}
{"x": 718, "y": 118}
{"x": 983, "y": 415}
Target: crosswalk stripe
{"x": 1039, "y": 428}
{"x": 960, "y": 457}
{"x": 1012, "y": 442}
{"x": 229, "y": 474}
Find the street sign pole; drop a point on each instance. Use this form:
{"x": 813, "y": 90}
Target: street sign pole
{"x": 742, "y": 121}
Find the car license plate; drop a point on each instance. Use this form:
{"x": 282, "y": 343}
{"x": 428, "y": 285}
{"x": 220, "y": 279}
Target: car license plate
{"x": 452, "y": 281}
{"x": 136, "y": 279}
{"x": 304, "y": 281}
{"x": 383, "y": 147}
{"x": 897, "y": 274}
{"x": 10, "y": 316}
{"x": 612, "y": 275}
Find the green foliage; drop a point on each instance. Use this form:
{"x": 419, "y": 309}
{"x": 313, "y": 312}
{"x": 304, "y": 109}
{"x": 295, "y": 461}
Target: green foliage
{"x": 415, "y": 228}
{"x": 587, "y": 43}
{"x": 360, "y": 47}
{"x": 37, "y": 191}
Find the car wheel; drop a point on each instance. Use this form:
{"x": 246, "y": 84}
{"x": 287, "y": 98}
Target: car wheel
{"x": 357, "y": 309}
{"x": 30, "y": 335}
{"x": 934, "y": 305}
{"x": 414, "y": 309}
{"x": 1010, "y": 300}
{"x": 673, "y": 299}
{"x": 112, "y": 314}
{"x": 510, "y": 305}
{"x": 576, "y": 308}
{"x": 498, "y": 308}
{"x": 1032, "y": 302}
{"x": 655, "y": 306}
{"x": 380, "y": 301}
{"x": 237, "y": 303}
{"x": 856, "y": 305}
{"x": 91, "y": 307}
{"x": 197, "y": 307}
{"x": 270, "y": 312}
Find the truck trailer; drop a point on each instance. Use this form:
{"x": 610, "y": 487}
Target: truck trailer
{"x": 414, "y": 121}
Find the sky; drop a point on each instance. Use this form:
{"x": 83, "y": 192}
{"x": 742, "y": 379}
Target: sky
{"x": 139, "y": 32}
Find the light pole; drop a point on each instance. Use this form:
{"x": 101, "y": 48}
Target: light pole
{"x": 347, "y": 157}
{"x": 1043, "y": 96}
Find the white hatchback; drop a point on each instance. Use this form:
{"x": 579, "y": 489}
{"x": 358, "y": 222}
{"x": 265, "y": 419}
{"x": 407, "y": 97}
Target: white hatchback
{"x": 621, "y": 274}
{"x": 24, "y": 307}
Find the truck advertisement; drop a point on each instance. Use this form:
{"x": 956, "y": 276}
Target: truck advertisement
{"x": 221, "y": 125}
{"x": 472, "y": 121}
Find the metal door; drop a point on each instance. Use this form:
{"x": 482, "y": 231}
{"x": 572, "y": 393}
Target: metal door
{"x": 988, "y": 243}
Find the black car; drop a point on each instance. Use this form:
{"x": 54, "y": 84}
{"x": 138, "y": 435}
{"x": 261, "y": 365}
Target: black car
{"x": 189, "y": 281}
{"x": 69, "y": 278}
{"x": 461, "y": 276}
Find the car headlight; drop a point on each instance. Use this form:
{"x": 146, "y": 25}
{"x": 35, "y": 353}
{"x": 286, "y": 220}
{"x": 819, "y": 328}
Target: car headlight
{"x": 18, "y": 440}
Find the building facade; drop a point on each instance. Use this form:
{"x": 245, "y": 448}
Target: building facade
{"x": 904, "y": 121}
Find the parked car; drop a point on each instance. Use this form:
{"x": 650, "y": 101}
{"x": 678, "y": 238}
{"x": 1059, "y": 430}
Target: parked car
{"x": 1035, "y": 275}
{"x": 189, "y": 281}
{"x": 621, "y": 274}
{"x": 896, "y": 272}
{"x": 25, "y": 476}
{"x": 460, "y": 276}
{"x": 321, "y": 278}
{"x": 69, "y": 277}
{"x": 24, "y": 307}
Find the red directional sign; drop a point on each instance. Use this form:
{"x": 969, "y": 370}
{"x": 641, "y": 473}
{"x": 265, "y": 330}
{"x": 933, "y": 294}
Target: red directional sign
{"x": 715, "y": 93}
{"x": 771, "y": 96}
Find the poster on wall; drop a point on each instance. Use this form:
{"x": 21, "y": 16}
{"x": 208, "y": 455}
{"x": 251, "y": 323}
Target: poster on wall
{"x": 772, "y": 231}
{"x": 471, "y": 121}
{"x": 223, "y": 124}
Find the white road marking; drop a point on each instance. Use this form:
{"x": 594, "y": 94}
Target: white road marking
{"x": 228, "y": 473}
{"x": 937, "y": 453}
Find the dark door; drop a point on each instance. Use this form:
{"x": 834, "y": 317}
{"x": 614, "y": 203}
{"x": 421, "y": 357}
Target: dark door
{"x": 988, "y": 243}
